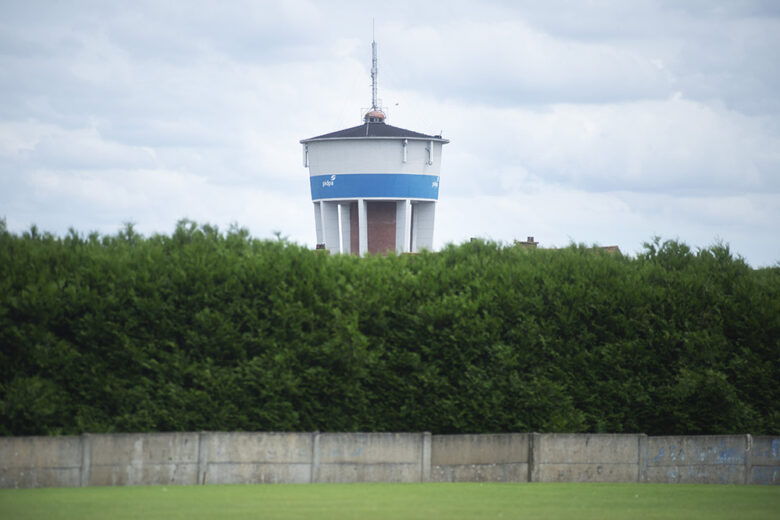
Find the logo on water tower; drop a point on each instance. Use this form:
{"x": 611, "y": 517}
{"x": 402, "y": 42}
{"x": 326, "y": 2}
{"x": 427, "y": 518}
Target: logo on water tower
{"x": 329, "y": 182}
{"x": 435, "y": 183}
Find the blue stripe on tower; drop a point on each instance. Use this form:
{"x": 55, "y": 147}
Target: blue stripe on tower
{"x": 358, "y": 185}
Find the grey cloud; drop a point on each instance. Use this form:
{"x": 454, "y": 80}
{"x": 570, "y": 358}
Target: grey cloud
{"x": 522, "y": 59}
{"x": 87, "y": 150}
{"x": 511, "y": 63}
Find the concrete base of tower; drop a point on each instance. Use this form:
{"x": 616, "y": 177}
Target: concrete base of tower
{"x": 374, "y": 226}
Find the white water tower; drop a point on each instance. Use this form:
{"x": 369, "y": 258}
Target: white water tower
{"x": 374, "y": 186}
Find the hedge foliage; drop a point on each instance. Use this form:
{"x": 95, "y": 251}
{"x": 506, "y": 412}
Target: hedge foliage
{"x": 210, "y": 330}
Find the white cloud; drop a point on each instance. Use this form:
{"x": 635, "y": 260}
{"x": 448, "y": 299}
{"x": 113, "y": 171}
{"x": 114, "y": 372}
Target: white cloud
{"x": 508, "y": 63}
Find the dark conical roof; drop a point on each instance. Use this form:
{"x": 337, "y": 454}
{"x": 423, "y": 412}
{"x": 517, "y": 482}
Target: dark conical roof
{"x": 373, "y": 130}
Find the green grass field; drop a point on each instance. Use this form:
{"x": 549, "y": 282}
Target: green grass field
{"x": 408, "y": 501}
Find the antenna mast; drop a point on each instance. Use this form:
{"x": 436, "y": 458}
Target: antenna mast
{"x": 374, "y": 71}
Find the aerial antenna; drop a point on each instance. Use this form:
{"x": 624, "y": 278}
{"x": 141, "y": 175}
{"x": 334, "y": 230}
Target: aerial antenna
{"x": 375, "y": 114}
{"x": 374, "y": 71}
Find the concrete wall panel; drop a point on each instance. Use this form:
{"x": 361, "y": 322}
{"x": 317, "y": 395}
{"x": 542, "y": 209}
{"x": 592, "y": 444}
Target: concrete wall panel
{"x": 370, "y": 457}
{"x": 151, "y": 448}
{"x": 142, "y": 459}
{"x": 765, "y": 460}
{"x": 257, "y": 447}
{"x": 719, "y": 459}
{"x": 40, "y": 461}
{"x": 587, "y": 448}
{"x": 40, "y": 452}
{"x": 561, "y": 457}
{"x": 370, "y": 448}
{"x": 480, "y": 458}
{"x": 479, "y": 449}
{"x": 765, "y": 451}
{"x": 697, "y": 450}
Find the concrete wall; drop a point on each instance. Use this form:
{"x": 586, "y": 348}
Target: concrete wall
{"x": 267, "y": 457}
{"x": 585, "y": 458}
{"x": 213, "y": 458}
{"x": 40, "y": 461}
{"x": 480, "y": 458}
{"x": 764, "y": 461}
{"x": 255, "y": 457}
{"x": 140, "y": 459}
{"x": 371, "y": 457}
{"x": 698, "y": 460}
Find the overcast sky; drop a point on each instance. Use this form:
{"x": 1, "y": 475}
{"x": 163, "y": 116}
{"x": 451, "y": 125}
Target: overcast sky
{"x": 605, "y": 122}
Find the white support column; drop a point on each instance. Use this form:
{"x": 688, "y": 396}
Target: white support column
{"x": 408, "y": 235}
{"x": 346, "y": 221}
{"x": 403, "y": 225}
{"x": 318, "y": 222}
{"x": 415, "y": 217}
{"x": 330, "y": 225}
{"x": 422, "y": 233}
{"x": 362, "y": 227}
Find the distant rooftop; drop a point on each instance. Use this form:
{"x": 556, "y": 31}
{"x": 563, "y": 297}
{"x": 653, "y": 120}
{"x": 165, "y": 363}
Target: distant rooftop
{"x": 531, "y": 243}
{"x": 375, "y": 129}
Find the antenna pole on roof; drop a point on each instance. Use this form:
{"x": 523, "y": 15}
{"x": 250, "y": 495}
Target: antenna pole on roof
{"x": 374, "y": 71}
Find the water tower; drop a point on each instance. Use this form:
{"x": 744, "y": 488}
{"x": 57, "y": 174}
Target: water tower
{"x": 374, "y": 186}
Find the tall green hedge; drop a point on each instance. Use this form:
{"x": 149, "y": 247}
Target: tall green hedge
{"x": 210, "y": 330}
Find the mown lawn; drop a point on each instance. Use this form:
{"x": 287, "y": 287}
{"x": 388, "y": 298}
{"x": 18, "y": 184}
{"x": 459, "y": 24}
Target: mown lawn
{"x": 385, "y": 501}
